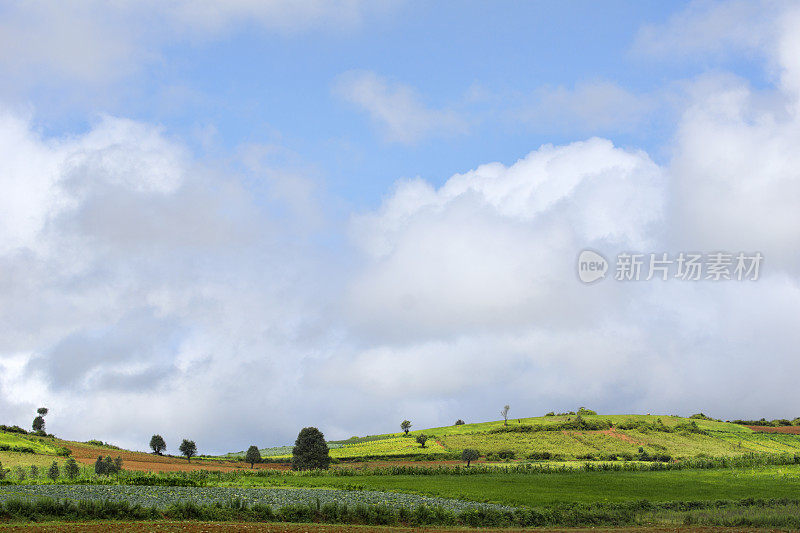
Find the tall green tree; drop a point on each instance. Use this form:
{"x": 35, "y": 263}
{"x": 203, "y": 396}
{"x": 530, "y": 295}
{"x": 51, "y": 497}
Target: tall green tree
{"x": 470, "y": 455}
{"x": 157, "y": 444}
{"x": 188, "y": 449}
{"x": 252, "y": 456}
{"x": 38, "y": 422}
{"x": 54, "y": 472}
{"x": 310, "y": 450}
{"x": 405, "y": 425}
{"x": 71, "y": 469}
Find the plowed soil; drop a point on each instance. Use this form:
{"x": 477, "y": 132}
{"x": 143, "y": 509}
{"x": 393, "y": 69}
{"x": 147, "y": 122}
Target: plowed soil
{"x": 147, "y": 462}
{"x": 792, "y": 430}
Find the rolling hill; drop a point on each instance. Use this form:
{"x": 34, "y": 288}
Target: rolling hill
{"x": 564, "y": 438}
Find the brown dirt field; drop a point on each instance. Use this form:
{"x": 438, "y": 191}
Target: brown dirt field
{"x": 147, "y": 462}
{"x": 621, "y": 436}
{"x": 231, "y": 527}
{"x": 792, "y": 430}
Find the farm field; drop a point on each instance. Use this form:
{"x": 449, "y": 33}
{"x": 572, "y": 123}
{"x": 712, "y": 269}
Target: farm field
{"x": 229, "y": 527}
{"x": 584, "y": 487}
{"x": 716, "y": 439}
{"x": 163, "y": 497}
{"x": 393, "y": 473}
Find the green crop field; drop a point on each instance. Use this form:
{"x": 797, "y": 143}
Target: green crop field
{"x": 17, "y": 442}
{"x": 580, "y": 486}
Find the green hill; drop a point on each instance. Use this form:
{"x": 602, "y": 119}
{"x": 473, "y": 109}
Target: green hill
{"x": 569, "y": 437}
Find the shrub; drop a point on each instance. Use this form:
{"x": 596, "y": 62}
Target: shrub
{"x": 310, "y": 450}
{"x": 34, "y": 472}
{"x": 13, "y": 429}
{"x": 459, "y": 422}
{"x": 71, "y": 469}
{"x": 2, "y": 471}
{"x": 551, "y": 413}
{"x": 107, "y": 466}
{"x": 506, "y": 454}
{"x": 54, "y": 472}
{"x": 539, "y": 456}
{"x": 421, "y": 439}
{"x": 20, "y": 473}
{"x": 586, "y": 412}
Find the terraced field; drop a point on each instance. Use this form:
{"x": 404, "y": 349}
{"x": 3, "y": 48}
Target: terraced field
{"x": 719, "y": 439}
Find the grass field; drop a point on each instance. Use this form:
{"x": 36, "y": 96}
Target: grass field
{"x": 234, "y": 527}
{"x": 584, "y": 487}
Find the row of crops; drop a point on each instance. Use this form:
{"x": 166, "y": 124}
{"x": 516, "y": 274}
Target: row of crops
{"x": 163, "y": 497}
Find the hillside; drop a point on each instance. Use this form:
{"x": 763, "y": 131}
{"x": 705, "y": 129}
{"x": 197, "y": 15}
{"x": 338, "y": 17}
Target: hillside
{"x": 557, "y": 438}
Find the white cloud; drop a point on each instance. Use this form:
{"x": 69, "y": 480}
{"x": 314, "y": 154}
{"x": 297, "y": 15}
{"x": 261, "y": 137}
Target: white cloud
{"x": 133, "y": 275}
{"x": 396, "y": 108}
{"x": 711, "y": 28}
{"x": 92, "y": 42}
{"x": 589, "y": 106}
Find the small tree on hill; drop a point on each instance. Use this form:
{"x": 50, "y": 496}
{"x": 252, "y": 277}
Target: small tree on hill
{"x": 459, "y": 422}
{"x": 405, "y": 425}
{"x": 157, "y": 444}
{"x": 253, "y": 456}
{"x": 71, "y": 469}
{"x": 38, "y": 422}
{"x": 504, "y": 414}
{"x": 188, "y": 449}
{"x": 310, "y": 450}
{"x": 421, "y": 439}
{"x": 34, "y": 472}
{"x": 54, "y": 472}
{"x": 470, "y": 455}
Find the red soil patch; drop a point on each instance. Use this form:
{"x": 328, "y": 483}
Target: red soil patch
{"x": 621, "y": 436}
{"x": 791, "y": 430}
{"x": 146, "y": 462}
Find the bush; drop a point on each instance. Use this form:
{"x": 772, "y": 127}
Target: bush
{"x": 539, "y": 456}
{"x": 421, "y": 439}
{"x": 107, "y": 466}
{"x": 459, "y": 422}
{"x": 71, "y": 469}
{"x": 506, "y": 455}
{"x": 310, "y": 450}
{"x": 586, "y": 412}
{"x": 54, "y": 472}
{"x": 13, "y": 429}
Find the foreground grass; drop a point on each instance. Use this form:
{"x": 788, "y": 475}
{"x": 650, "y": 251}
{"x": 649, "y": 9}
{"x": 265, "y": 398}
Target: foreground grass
{"x": 532, "y": 490}
{"x": 232, "y": 527}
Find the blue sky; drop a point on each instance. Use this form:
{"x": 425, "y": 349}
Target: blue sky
{"x": 254, "y": 85}
{"x": 279, "y": 203}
